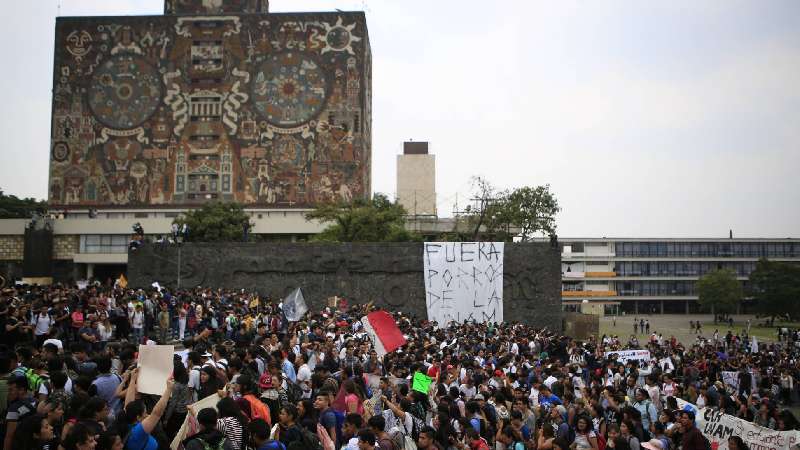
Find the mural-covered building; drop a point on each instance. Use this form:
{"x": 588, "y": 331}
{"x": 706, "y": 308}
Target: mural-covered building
{"x": 215, "y": 100}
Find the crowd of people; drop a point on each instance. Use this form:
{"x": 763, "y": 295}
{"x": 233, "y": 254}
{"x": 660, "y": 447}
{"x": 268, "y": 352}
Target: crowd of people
{"x": 68, "y": 379}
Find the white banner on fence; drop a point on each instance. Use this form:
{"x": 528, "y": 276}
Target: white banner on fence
{"x": 630, "y": 355}
{"x": 464, "y": 281}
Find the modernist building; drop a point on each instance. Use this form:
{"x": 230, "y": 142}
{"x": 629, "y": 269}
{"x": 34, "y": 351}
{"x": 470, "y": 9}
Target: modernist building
{"x": 220, "y": 100}
{"x": 656, "y": 275}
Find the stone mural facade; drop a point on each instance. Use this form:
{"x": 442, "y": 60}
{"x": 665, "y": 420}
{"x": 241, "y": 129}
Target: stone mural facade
{"x": 268, "y": 110}
{"x": 390, "y": 274}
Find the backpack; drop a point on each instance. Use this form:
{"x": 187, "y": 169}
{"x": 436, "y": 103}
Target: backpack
{"x": 206, "y": 445}
{"x": 34, "y": 381}
{"x": 258, "y": 410}
{"x": 310, "y": 440}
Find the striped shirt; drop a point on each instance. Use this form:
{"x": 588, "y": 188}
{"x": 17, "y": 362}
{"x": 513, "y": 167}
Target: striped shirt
{"x": 232, "y": 429}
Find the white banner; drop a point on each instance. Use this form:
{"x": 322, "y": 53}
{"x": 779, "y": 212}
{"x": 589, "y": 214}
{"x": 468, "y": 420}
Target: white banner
{"x": 630, "y": 355}
{"x": 464, "y": 281}
{"x": 717, "y": 427}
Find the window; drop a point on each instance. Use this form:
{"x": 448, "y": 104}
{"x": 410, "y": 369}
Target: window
{"x": 104, "y": 243}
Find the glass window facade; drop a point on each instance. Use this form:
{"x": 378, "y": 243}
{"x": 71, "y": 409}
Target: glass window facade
{"x": 681, "y": 268}
{"x": 104, "y": 243}
{"x": 653, "y": 288}
{"x": 708, "y": 249}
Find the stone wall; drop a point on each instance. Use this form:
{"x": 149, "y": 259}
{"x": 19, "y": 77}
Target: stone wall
{"x": 390, "y": 274}
{"x": 12, "y": 248}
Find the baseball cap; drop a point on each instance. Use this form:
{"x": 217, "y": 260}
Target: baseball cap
{"x": 265, "y": 382}
{"x": 479, "y": 397}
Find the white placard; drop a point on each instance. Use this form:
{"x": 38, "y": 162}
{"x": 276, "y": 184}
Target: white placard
{"x": 630, "y": 355}
{"x": 464, "y": 281}
{"x": 155, "y": 367}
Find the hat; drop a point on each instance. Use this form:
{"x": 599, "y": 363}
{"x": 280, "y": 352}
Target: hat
{"x": 265, "y": 382}
{"x": 653, "y": 444}
{"x": 478, "y": 397}
{"x": 561, "y": 411}
{"x": 498, "y": 373}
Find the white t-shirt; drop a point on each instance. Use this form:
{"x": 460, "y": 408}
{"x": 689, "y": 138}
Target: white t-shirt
{"x": 43, "y": 324}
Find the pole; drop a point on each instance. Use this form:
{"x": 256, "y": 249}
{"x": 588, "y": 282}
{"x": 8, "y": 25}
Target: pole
{"x": 179, "y": 266}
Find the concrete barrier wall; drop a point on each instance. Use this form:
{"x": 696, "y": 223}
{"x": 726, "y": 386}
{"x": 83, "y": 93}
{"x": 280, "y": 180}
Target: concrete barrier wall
{"x": 390, "y": 274}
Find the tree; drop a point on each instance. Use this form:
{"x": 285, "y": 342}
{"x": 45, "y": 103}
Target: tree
{"x": 529, "y": 210}
{"x": 775, "y": 287}
{"x": 720, "y": 291}
{"x": 215, "y": 222}
{"x": 376, "y": 220}
{"x": 13, "y": 207}
{"x": 504, "y": 215}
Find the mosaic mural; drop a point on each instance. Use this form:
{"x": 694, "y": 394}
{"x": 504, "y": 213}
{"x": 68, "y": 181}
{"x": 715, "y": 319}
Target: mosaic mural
{"x": 264, "y": 109}
{"x": 215, "y": 6}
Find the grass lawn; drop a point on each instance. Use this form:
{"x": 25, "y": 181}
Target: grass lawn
{"x": 757, "y": 328}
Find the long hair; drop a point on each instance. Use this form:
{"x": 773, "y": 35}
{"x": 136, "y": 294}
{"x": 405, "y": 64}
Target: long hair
{"x": 23, "y": 437}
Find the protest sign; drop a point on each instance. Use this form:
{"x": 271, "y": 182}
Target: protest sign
{"x": 731, "y": 379}
{"x": 464, "y": 281}
{"x": 421, "y": 383}
{"x": 155, "y": 367}
{"x": 630, "y": 355}
{"x": 190, "y": 426}
{"x": 717, "y": 427}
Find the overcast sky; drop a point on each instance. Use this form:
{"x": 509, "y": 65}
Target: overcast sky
{"x": 648, "y": 119}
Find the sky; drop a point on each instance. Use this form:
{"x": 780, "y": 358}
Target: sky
{"x": 647, "y": 119}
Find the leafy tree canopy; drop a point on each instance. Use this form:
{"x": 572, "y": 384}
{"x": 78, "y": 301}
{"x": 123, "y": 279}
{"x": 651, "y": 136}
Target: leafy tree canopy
{"x": 720, "y": 291}
{"x": 13, "y": 207}
{"x": 503, "y": 215}
{"x": 376, "y": 220}
{"x": 775, "y": 287}
{"x": 215, "y": 222}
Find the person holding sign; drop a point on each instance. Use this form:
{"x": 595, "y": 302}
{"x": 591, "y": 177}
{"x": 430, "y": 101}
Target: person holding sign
{"x": 138, "y": 425}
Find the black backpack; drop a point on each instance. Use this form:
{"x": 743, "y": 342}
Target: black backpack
{"x": 310, "y": 440}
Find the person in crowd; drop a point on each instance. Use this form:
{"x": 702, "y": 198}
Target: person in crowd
{"x": 321, "y": 379}
{"x": 137, "y": 422}
{"x": 209, "y": 436}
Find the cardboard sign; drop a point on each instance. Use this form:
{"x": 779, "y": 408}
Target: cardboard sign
{"x": 155, "y": 367}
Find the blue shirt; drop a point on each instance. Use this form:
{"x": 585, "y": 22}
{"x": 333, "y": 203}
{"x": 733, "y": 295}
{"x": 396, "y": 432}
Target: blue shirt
{"x": 139, "y": 440}
{"x": 288, "y": 368}
{"x": 106, "y": 386}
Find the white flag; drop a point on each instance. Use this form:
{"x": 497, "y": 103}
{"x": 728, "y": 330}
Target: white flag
{"x": 294, "y": 306}
{"x": 754, "y": 345}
